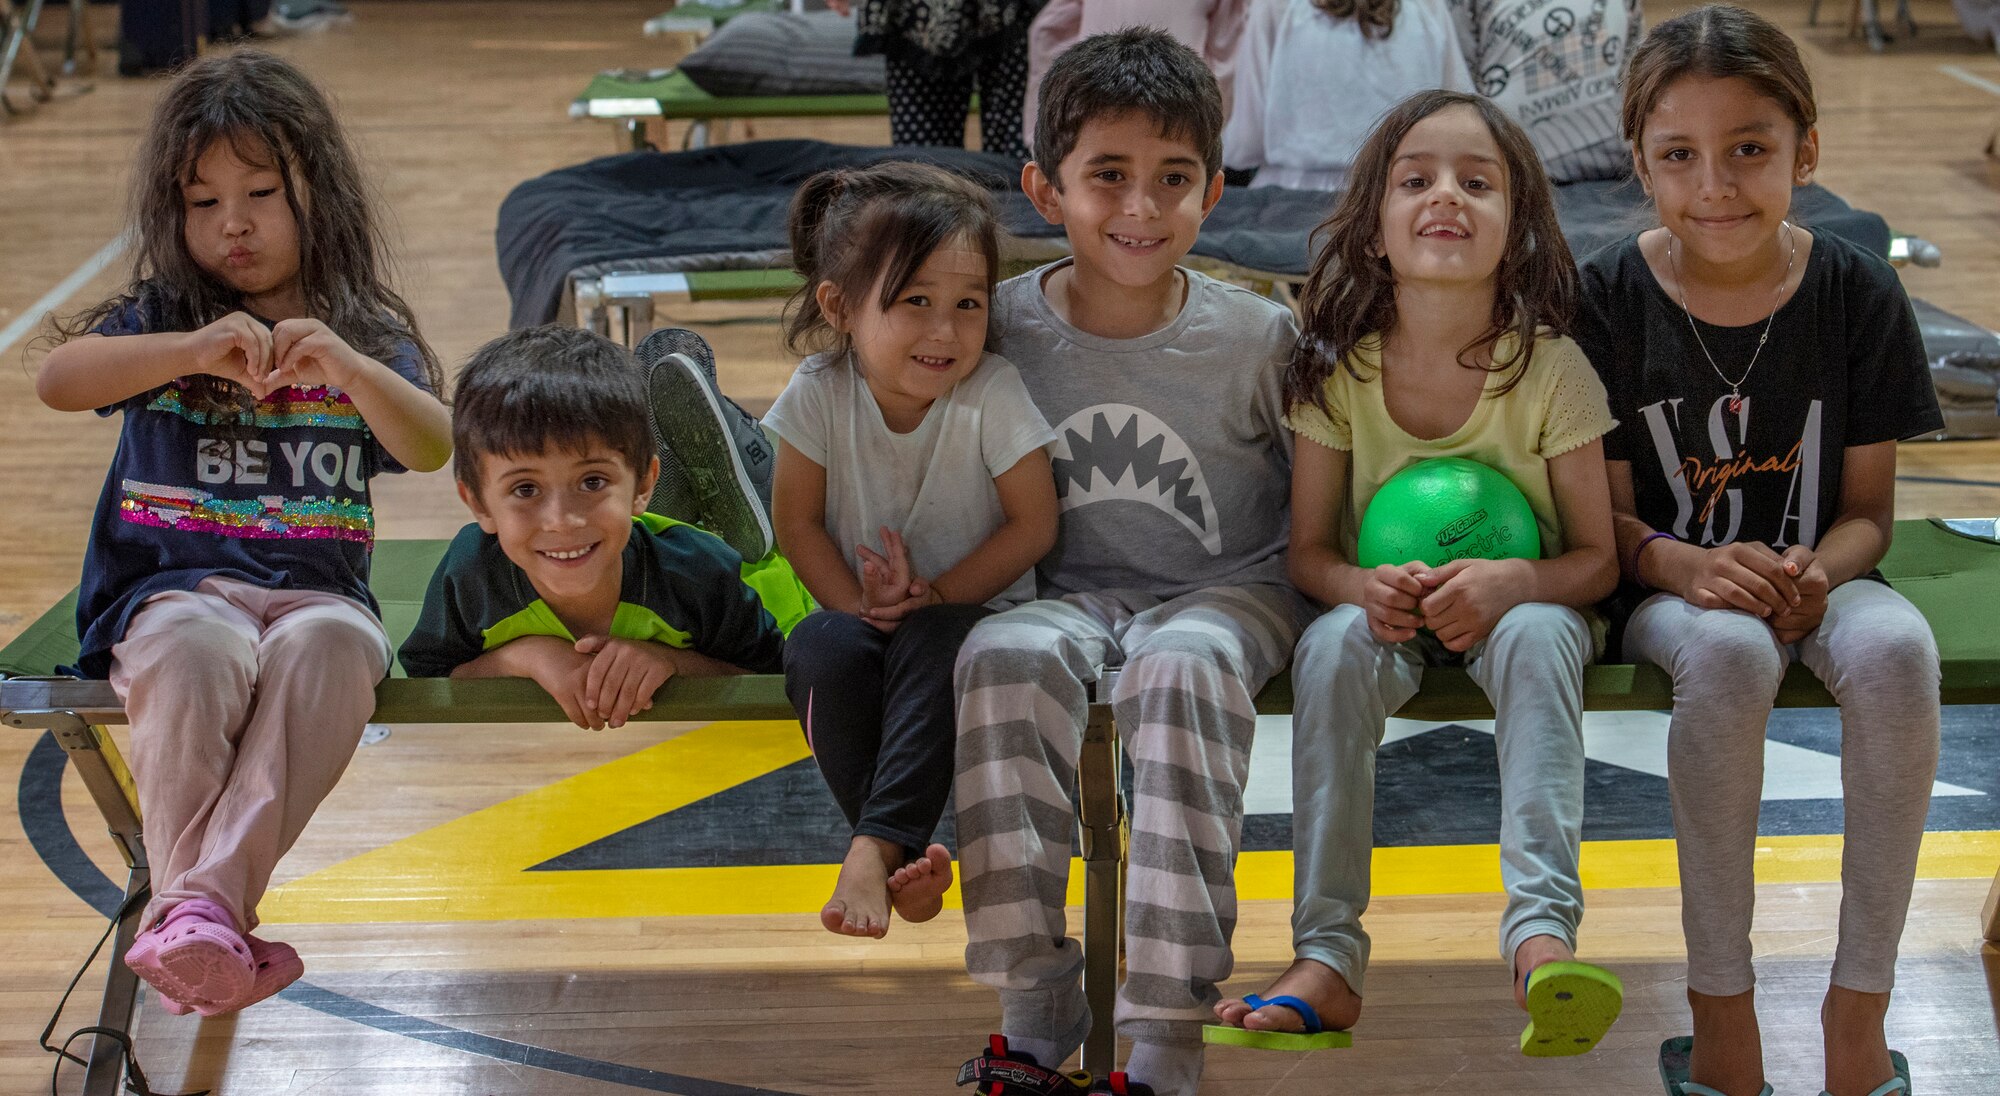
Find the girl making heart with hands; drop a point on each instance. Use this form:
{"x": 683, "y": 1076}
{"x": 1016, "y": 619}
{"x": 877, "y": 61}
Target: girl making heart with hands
{"x": 265, "y": 372}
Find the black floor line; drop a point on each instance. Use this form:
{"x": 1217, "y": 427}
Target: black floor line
{"x": 40, "y": 804}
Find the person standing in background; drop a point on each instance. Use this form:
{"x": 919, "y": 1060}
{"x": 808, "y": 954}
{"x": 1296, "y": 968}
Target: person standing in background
{"x": 937, "y": 53}
{"x": 1211, "y": 28}
{"x": 1555, "y": 65}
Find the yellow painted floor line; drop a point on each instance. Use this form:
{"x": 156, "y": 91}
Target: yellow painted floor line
{"x": 479, "y": 867}
{"x": 444, "y": 891}
{"x": 476, "y": 868}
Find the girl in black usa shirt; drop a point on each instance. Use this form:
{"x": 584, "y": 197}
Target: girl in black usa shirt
{"x": 1761, "y": 375}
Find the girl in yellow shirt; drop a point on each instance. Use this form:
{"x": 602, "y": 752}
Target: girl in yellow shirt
{"x": 1432, "y": 328}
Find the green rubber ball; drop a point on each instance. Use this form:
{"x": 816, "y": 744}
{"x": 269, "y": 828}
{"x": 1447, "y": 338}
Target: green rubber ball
{"x": 1446, "y": 509}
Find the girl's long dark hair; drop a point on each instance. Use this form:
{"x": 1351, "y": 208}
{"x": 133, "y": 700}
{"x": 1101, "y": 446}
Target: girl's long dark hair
{"x": 271, "y": 115}
{"x": 1351, "y": 293}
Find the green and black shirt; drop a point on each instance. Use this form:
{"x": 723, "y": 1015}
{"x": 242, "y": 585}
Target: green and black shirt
{"x": 681, "y": 586}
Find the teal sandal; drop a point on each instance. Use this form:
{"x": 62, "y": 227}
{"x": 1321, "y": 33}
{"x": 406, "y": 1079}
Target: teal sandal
{"x": 1570, "y": 1007}
{"x": 1674, "y": 1056}
{"x": 1314, "y": 1037}
{"x": 1900, "y": 1083}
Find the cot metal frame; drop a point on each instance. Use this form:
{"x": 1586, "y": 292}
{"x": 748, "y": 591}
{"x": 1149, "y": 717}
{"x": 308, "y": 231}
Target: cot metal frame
{"x": 77, "y": 723}
{"x": 78, "y": 713}
{"x": 626, "y": 305}
{"x": 18, "y": 20}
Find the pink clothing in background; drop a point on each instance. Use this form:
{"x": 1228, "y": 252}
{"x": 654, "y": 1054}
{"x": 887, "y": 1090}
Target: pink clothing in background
{"x": 245, "y": 705}
{"x": 1211, "y": 28}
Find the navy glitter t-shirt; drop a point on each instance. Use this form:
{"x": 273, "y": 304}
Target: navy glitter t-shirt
{"x": 280, "y": 502}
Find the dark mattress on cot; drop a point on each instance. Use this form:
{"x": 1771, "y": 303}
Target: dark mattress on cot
{"x": 725, "y": 206}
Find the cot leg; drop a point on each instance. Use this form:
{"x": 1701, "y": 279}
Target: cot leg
{"x": 1871, "y": 26}
{"x": 104, "y": 1076}
{"x": 1099, "y": 812}
{"x": 109, "y": 782}
{"x": 79, "y": 45}
{"x": 17, "y": 25}
{"x": 629, "y": 319}
{"x": 1991, "y": 917}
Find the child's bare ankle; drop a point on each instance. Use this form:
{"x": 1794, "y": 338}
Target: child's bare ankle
{"x": 1534, "y": 952}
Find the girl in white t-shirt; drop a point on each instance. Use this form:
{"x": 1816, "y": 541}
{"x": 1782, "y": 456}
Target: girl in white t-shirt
{"x": 1314, "y": 76}
{"x": 912, "y": 497}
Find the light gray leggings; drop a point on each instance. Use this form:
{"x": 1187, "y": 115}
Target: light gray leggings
{"x": 1877, "y": 657}
{"x": 1346, "y": 682}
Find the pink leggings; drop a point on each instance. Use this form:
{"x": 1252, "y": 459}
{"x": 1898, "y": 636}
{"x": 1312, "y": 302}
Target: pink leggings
{"x": 245, "y": 705}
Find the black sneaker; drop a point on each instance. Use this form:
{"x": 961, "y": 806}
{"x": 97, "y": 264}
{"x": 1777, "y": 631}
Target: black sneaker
{"x": 754, "y": 446}
{"x": 1004, "y": 1072}
{"x": 704, "y": 478}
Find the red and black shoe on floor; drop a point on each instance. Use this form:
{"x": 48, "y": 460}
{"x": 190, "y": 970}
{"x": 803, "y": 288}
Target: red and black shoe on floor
{"x": 1001, "y": 1072}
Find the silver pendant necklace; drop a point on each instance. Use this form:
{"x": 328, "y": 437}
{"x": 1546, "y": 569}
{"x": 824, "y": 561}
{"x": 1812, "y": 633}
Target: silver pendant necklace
{"x": 1735, "y": 386}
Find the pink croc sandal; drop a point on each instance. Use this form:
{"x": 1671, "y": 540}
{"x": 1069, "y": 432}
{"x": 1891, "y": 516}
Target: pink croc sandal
{"x": 278, "y": 966}
{"x": 195, "y": 958}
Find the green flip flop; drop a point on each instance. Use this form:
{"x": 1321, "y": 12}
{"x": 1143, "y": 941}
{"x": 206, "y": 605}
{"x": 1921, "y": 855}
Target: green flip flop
{"x": 1674, "y": 1056}
{"x": 1899, "y": 1085}
{"x": 1314, "y": 1037}
{"x": 1570, "y": 1007}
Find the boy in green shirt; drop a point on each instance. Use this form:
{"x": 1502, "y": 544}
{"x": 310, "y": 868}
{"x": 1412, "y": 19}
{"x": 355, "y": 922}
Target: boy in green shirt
{"x": 563, "y": 577}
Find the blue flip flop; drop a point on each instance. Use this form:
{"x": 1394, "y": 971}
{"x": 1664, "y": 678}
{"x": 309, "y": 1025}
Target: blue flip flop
{"x": 1674, "y": 1056}
{"x": 1571, "y": 1006}
{"x": 1900, "y": 1083}
{"x": 1314, "y": 1037}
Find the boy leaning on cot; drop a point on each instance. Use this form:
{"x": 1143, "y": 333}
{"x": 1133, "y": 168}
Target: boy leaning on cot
{"x": 564, "y": 578}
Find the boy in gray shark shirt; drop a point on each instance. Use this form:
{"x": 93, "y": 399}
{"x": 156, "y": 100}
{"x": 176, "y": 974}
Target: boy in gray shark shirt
{"x": 1173, "y": 469}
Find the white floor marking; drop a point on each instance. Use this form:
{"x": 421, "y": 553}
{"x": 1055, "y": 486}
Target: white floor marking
{"x": 1630, "y": 740}
{"x": 30, "y": 319}
{"x": 1963, "y": 76}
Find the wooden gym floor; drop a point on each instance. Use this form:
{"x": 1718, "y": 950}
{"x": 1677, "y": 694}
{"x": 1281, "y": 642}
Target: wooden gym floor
{"x": 439, "y": 962}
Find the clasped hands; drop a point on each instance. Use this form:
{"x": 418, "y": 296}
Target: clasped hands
{"x": 599, "y": 681}
{"x": 890, "y": 587}
{"x": 1788, "y": 590}
{"x": 1459, "y": 602}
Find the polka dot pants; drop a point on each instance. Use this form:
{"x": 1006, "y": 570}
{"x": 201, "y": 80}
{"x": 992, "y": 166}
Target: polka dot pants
{"x": 926, "y": 111}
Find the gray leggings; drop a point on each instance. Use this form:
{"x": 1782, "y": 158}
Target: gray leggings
{"x": 1346, "y": 683}
{"x": 1876, "y": 655}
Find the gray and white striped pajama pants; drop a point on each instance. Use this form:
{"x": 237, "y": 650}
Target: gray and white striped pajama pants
{"x": 1189, "y": 669}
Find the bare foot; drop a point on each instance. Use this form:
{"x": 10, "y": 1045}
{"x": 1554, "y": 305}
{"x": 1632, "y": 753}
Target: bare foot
{"x": 1533, "y": 952}
{"x": 1857, "y": 1052}
{"x": 860, "y": 902}
{"x": 917, "y": 888}
{"x": 1728, "y": 1048}
{"x": 1309, "y": 980}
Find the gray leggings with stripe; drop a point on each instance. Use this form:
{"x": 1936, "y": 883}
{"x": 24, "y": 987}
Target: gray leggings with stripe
{"x": 1189, "y": 668}
{"x": 1877, "y": 657}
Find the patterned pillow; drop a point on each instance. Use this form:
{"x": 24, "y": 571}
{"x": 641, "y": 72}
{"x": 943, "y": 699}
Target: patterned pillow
{"x": 781, "y": 53}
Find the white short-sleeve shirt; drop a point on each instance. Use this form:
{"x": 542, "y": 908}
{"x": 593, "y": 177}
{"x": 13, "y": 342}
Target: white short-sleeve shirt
{"x": 934, "y": 485}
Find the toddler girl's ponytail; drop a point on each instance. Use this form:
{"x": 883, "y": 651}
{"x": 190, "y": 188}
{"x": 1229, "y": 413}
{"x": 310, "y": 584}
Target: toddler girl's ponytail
{"x": 812, "y": 206}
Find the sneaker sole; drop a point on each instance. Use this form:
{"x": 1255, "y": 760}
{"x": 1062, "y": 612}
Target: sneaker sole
{"x": 685, "y": 410}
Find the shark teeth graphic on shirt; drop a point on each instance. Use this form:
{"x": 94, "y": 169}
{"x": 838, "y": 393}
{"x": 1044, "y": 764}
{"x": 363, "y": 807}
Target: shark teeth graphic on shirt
{"x": 1114, "y": 451}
